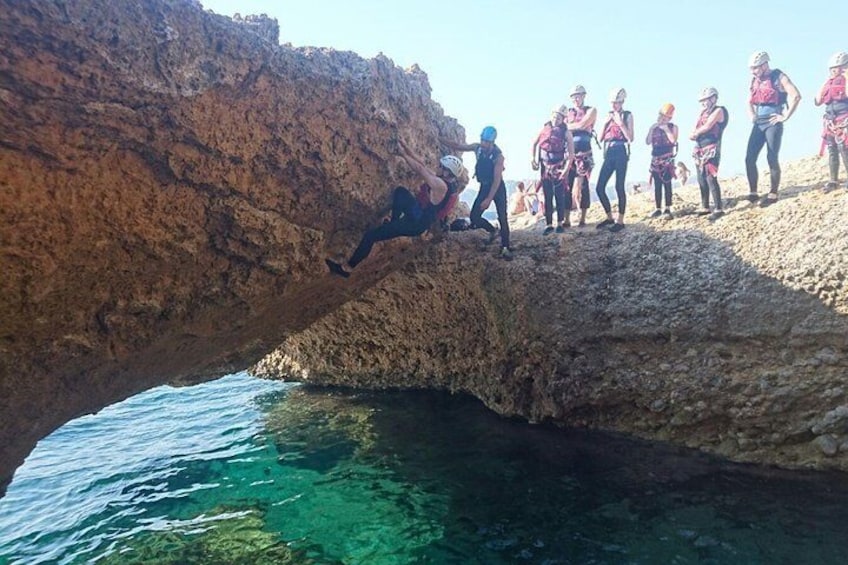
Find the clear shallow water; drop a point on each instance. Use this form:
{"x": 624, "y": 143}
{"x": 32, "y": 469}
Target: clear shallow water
{"x": 247, "y": 471}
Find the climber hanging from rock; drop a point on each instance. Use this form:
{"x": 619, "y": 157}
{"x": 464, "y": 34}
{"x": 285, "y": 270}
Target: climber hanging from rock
{"x": 413, "y": 215}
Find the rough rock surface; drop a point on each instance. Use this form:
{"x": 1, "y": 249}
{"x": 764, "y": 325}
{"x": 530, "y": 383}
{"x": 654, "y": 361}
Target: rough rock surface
{"x": 170, "y": 181}
{"x": 730, "y": 337}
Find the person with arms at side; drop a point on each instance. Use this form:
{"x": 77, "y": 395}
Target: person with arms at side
{"x": 489, "y": 173}
{"x": 412, "y": 215}
{"x": 662, "y": 137}
{"x": 834, "y": 96}
{"x": 616, "y": 135}
{"x": 707, "y": 137}
{"x": 553, "y": 150}
{"x": 581, "y": 121}
{"x": 772, "y": 101}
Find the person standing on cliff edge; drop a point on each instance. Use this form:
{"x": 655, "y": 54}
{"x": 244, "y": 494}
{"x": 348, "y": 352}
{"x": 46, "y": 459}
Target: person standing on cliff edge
{"x": 773, "y": 100}
{"x": 834, "y": 96}
{"x": 489, "y": 173}
{"x": 412, "y": 215}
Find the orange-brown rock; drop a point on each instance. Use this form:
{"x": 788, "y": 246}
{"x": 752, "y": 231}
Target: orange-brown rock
{"x": 729, "y": 336}
{"x": 169, "y": 183}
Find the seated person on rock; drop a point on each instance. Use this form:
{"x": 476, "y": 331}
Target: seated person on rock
{"x": 413, "y": 215}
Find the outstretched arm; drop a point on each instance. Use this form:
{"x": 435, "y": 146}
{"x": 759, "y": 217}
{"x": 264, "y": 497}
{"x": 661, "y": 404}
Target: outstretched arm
{"x": 456, "y": 146}
{"x": 438, "y": 187}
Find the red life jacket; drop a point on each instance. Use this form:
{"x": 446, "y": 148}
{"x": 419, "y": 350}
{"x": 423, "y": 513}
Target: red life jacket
{"x": 659, "y": 139}
{"x": 833, "y": 90}
{"x": 712, "y": 136}
{"x": 441, "y": 210}
{"x": 552, "y": 143}
{"x": 577, "y": 114}
{"x": 612, "y": 131}
{"x": 767, "y": 92}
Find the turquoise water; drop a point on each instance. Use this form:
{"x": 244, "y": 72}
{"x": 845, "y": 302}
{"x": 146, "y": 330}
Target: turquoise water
{"x": 247, "y": 471}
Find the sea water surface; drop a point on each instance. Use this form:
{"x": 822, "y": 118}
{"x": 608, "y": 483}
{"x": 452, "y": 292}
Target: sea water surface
{"x": 241, "y": 470}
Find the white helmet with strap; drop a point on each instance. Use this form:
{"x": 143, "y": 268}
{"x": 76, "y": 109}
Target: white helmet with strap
{"x": 453, "y": 164}
{"x": 618, "y": 95}
{"x": 707, "y": 93}
{"x": 758, "y": 58}
{"x": 838, "y": 60}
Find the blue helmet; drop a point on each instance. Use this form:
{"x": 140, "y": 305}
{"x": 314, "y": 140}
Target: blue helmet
{"x": 489, "y": 133}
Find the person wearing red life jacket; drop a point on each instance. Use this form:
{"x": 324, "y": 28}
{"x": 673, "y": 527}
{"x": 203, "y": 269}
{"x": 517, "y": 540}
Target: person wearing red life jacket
{"x": 662, "y": 137}
{"x": 412, "y": 215}
{"x": 835, "y": 99}
{"x": 616, "y": 135}
{"x": 553, "y": 151}
{"x": 707, "y": 135}
{"x": 773, "y": 99}
{"x": 489, "y": 173}
{"x": 581, "y": 121}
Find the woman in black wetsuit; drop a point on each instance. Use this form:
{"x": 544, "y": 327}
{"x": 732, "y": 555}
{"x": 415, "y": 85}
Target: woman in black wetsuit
{"x": 616, "y": 136}
{"x": 412, "y": 215}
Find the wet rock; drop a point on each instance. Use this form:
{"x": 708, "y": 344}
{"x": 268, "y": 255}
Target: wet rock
{"x": 827, "y": 444}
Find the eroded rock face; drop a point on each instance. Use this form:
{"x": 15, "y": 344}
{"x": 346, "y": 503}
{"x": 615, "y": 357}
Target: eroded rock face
{"x": 730, "y": 337}
{"x": 169, "y": 180}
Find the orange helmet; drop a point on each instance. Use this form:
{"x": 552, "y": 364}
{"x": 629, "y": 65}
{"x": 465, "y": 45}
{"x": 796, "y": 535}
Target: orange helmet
{"x": 667, "y": 110}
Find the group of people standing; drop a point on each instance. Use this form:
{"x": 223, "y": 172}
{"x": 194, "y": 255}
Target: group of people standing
{"x": 562, "y": 152}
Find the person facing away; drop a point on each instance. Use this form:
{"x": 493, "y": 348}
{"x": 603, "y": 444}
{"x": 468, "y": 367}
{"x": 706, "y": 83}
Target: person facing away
{"x": 662, "y": 137}
{"x": 707, "y": 135}
{"x": 773, "y": 99}
{"x": 553, "y": 151}
{"x": 489, "y": 173}
{"x": 835, "y": 99}
{"x": 581, "y": 121}
{"x": 412, "y": 215}
{"x": 616, "y": 135}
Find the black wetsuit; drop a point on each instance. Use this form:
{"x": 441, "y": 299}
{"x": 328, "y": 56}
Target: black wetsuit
{"x": 616, "y": 157}
{"x": 409, "y": 218}
{"x": 485, "y": 173}
{"x": 552, "y": 161}
{"x": 765, "y": 133}
{"x": 582, "y": 145}
{"x": 662, "y": 147}
{"x": 708, "y": 168}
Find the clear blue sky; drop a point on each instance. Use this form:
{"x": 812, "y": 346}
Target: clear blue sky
{"x": 508, "y": 63}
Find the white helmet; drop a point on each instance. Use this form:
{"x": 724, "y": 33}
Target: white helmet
{"x": 758, "y": 59}
{"x": 561, "y": 110}
{"x": 453, "y": 164}
{"x": 838, "y": 60}
{"x": 708, "y": 92}
{"x": 577, "y": 89}
{"x": 617, "y": 95}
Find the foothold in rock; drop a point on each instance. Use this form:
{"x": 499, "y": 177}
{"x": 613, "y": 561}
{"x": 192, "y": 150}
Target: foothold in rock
{"x": 827, "y": 444}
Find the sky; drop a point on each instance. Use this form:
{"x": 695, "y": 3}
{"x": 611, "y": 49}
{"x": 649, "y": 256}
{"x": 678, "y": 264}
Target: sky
{"x": 508, "y": 63}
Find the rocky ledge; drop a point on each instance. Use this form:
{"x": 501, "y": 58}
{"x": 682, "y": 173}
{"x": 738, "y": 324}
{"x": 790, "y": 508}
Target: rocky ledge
{"x": 729, "y": 336}
{"x": 172, "y": 180}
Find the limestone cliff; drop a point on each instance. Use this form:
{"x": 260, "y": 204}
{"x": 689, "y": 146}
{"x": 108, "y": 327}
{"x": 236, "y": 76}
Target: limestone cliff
{"x": 730, "y": 337}
{"x": 170, "y": 181}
